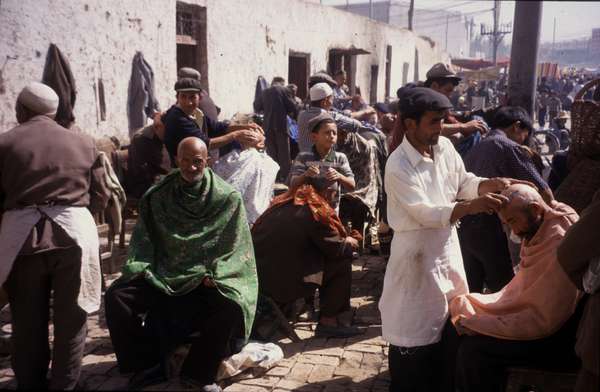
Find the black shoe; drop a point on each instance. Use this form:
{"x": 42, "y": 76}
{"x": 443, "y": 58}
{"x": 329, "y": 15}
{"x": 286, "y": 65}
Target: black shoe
{"x": 326, "y": 331}
{"x": 147, "y": 377}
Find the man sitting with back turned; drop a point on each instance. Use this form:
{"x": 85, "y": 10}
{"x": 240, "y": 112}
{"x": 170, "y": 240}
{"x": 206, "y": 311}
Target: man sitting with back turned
{"x": 529, "y": 322}
{"x": 190, "y": 276}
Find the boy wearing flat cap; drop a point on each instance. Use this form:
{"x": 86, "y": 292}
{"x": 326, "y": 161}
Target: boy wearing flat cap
{"x": 425, "y": 178}
{"x": 182, "y": 121}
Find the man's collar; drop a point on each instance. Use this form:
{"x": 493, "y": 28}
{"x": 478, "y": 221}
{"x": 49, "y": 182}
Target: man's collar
{"x": 414, "y": 156}
{"x": 330, "y": 157}
{"x": 497, "y": 131}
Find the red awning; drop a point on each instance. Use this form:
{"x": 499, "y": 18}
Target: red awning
{"x": 477, "y": 64}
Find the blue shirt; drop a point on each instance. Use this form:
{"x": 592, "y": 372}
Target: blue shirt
{"x": 498, "y": 156}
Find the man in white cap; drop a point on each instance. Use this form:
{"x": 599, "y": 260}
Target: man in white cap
{"x": 49, "y": 177}
{"x": 321, "y": 100}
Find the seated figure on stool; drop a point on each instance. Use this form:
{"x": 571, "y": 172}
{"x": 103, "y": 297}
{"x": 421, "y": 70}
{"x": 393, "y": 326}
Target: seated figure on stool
{"x": 190, "y": 276}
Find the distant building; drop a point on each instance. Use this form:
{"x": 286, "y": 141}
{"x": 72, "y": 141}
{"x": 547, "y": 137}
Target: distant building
{"x": 230, "y": 42}
{"x": 449, "y": 29}
{"x": 595, "y": 45}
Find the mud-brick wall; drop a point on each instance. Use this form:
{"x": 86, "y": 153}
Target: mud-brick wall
{"x": 99, "y": 39}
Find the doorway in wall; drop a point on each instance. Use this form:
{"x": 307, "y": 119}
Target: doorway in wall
{"x": 388, "y": 72}
{"x": 299, "y": 71}
{"x": 373, "y": 87}
{"x": 345, "y": 59}
{"x": 191, "y": 39}
{"x": 405, "y": 67}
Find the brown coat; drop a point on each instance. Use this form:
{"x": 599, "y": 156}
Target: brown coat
{"x": 290, "y": 246}
{"x": 43, "y": 163}
{"x": 580, "y": 245}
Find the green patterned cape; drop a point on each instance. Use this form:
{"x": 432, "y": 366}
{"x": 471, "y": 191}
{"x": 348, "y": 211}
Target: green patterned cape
{"x": 187, "y": 232}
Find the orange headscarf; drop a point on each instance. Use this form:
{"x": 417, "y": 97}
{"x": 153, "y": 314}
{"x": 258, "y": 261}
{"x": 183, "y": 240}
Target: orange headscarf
{"x": 319, "y": 207}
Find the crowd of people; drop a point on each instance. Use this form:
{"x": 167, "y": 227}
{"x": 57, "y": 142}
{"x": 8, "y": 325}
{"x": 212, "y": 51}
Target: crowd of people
{"x": 485, "y": 269}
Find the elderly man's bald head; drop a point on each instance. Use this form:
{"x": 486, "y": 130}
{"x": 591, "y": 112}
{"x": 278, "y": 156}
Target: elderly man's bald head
{"x": 524, "y": 211}
{"x": 192, "y": 144}
{"x": 192, "y": 158}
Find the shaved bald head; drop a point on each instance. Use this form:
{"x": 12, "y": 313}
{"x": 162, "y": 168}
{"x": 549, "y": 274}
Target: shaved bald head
{"x": 525, "y": 210}
{"x": 192, "y": 158}
{"x": 192, "y": 144}
{"x": 522, "y": 195}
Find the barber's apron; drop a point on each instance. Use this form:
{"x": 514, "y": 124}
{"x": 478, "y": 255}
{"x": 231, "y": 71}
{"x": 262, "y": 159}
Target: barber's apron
{"x": 78, "y": 223}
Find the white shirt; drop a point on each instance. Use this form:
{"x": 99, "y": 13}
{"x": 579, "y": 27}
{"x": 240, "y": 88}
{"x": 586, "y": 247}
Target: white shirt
{"x": 425, "y": 270}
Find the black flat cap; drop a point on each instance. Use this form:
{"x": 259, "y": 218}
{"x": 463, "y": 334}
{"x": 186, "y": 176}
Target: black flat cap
{"x": 188, "y": 84}
{"x": 423, "y": 99}
{"x": 382, "y": 107}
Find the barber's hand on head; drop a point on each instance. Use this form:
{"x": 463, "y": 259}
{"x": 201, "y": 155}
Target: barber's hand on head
{"x": 472, "y": 127}
{"x": 352, "y": 242}
{"x": 499, "y": 184}
{"x": 256, "y": 127}
{"x": 208, "y": 282}
{"x": 332, "y": 175}
{"x": 488, "y": 203}
{"x": 246, "y": 137}
{"x": 312, "y": 171}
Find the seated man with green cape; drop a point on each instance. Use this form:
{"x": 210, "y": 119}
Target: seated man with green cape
{"x": 190, "y": 276}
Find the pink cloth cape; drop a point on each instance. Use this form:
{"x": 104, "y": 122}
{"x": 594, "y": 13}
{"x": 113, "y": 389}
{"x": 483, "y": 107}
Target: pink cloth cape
{"x": 537, "y": 301}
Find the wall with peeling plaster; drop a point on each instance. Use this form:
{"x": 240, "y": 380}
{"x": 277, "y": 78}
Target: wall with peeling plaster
{"x": 245, "y": 39}
{"x": 99, "y": 39}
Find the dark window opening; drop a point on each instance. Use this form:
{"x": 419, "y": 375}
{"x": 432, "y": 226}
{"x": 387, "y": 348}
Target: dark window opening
{"x": 191, "y": 39}
{"x": 373, "y": 91}
{"x": 299, "y": 71}
{"x": 388, "y": 71}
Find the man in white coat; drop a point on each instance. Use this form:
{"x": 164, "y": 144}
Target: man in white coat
{"x": 428, "y": 191}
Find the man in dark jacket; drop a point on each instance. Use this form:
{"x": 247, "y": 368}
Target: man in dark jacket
{"x": 483, "y": 242}
{"x": 49, "y": 177}
{"x": 300, "y": 244}
{"x": 276, "y": 102}
{"x": 184, "y": 119}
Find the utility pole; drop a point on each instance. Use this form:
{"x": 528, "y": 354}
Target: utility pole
{"x": 497, "y": 33}
{"x": 446, "y": 47}
{"x": 524, "y": 54}
{"x": 371, "y": 9}
{"x": 496, "y": 20}
{"x": 411, "y": 12}
{"x": 554, "y": 35}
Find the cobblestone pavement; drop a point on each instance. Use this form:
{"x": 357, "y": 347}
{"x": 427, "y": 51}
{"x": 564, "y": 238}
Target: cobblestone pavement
{"x": 312, "y": 365}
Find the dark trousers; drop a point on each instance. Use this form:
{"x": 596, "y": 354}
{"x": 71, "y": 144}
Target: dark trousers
{"x": 542, "y": 117}
{"x": 29, "y": 286}
{"x": 485, "y": 252}
{"x": 482, "y": 361}
{"x": 203, "y": 317}
{"x": 277, "y": 143}
{"x": 425, "y": 368}
{"x": 355, "y": 211}
{"x": 334, "y": 293}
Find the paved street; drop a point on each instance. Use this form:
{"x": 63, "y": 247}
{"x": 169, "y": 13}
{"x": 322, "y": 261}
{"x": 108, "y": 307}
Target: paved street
{"x": 355, "y": 364}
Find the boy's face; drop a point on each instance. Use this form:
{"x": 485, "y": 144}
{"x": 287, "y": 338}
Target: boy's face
{"x": 188, "y": 101}
{"x": 326, "y": 136}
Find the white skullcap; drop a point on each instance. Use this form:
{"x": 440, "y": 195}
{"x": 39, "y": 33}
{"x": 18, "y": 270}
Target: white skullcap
{"x": 39, "y": 98}
{"x": 320, "y": 91}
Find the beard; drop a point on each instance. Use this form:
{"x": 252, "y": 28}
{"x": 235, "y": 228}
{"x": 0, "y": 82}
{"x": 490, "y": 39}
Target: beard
{"x": 192, "y": 178}
{"x": 533, "y": 225}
